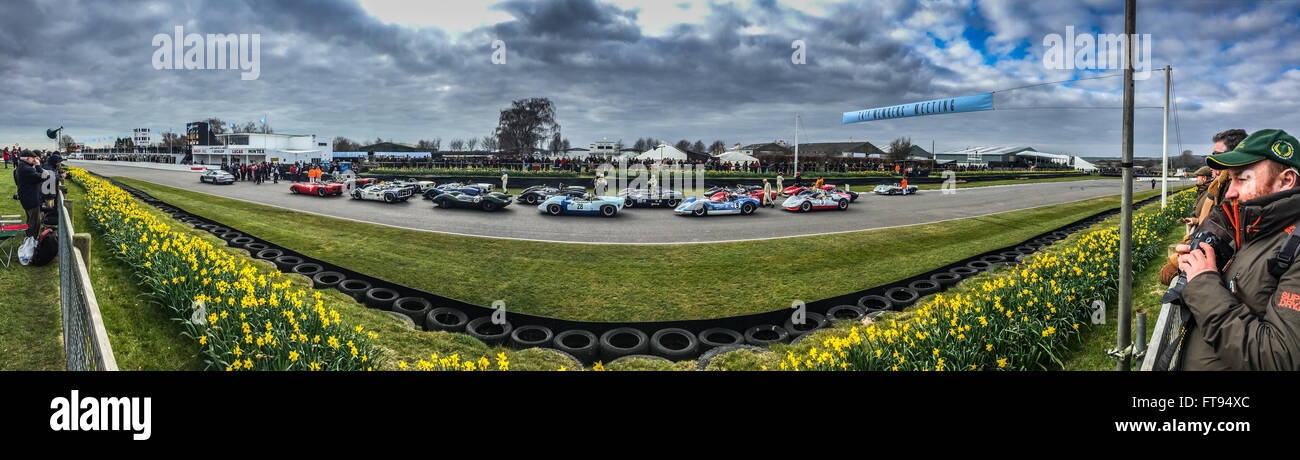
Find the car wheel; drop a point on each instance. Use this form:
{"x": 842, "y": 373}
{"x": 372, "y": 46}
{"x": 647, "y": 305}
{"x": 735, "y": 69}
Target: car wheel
{"x": 608, "y": 210}
{"x": 806, "y": 206}
{"x": 388, "y": 198}
{"x": 321, "y": 192}
{"x": 554, "y": 209}
{"x": 356, "y": 195}
{"x": 672, "y": 203}
{"x": 844, "y": 205}
{"x": 627, "y": 202}
{"x": 439, "y": 203}
{"x": 747, "y": 209}
{"x": 531, "y": 199}
{"x": 701, "y": 210}
{"x": 293, "y": 190}
{"x": 489, "y": 206}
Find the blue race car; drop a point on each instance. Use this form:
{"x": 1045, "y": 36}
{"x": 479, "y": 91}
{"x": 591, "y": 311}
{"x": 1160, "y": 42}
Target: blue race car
{"x": 730, "y": 204}
{"x": 468, "y": 189}
{"x": 587, "y": 204}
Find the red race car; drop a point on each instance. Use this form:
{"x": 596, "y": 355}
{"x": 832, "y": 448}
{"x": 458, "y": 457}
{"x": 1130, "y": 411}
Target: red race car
{"x": 794, "y": 190}
{"x": 756, "y": 194}
{"x": 317, "y": 188}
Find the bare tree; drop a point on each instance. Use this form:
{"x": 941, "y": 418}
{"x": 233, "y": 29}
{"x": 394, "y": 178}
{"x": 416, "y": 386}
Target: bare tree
{"x": 717, "y": 147}
{"x": 490, "y": 143}
{"x": 526, "y": 124}
{"x": 471, "y": 143}
{"x": 343, "y": 144}
{"x": 698, "y": 146}
{"x": 457, "y": 145}
{"x": 900, "y": 148}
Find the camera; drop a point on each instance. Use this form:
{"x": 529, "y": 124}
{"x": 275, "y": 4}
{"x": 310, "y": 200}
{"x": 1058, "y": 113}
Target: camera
{"x": 1223, "y": 248}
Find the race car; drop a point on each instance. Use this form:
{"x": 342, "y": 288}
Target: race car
{"x": 382, "y": 192}
{"x": 638, "y": 197}
{"x": 587, "y": 204}
{"x": 539, "y": 193}
{"x": 853, "y": 196}
{"x": 487, "y": 201}
{"x": 808, "y": 200}
{"x": 896, "y": 189}
{"x": 217, "y": 176}
{"x": 417, "y": 186}
{"x": 744, "y": 190}
{"x": 317, "y": 188}
{"x": 468, "y": 189}
{"x": 731, "y": 203}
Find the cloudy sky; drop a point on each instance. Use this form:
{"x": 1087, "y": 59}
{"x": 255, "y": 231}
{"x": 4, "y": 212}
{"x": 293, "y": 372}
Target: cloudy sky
{"x": 623, "y": 69}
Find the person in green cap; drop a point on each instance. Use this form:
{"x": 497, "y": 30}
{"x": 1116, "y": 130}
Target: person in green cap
{"x": 1246, "y": 310}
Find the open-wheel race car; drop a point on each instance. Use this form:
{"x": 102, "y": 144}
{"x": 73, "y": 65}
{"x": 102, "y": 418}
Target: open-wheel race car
{"x": 587, "y": 204}
{"x": 416, "y": 186}
{"x": 639, "y": 197}
{"x": 217, "y": 176}
{"x": 491, "y": 201}
{"x": 808, "y": 200}
{"x": 539, "y": 193}
{"x": 317, "y": 188}
{"x": 382, "y": 192}
{"x": 729, "y": 203}
{"x": 896, "y": 189}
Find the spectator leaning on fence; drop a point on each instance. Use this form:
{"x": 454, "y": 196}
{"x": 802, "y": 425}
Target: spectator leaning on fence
{"x": 28, "y": 176}
{"x": 1248, "y": 317}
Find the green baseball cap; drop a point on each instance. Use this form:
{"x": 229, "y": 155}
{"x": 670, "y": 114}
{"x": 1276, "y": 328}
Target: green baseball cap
{"x": 1265, "y": 144}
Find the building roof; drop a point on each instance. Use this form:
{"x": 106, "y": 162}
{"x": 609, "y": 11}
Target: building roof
{"x": 836, "y": 148}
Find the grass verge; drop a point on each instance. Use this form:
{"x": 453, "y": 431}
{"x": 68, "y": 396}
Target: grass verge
{"x": 31, "y": 326}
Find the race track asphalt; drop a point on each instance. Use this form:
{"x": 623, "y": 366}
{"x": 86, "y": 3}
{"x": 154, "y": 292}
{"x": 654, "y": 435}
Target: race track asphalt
{"x": 643, "y": 226}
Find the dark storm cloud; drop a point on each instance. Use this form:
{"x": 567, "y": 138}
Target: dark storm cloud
{"x": 330, "y": 68}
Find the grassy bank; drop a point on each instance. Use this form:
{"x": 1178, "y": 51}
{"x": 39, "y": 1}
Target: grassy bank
{"x": 31, "y": 326}
{"x": 647, "y": 283}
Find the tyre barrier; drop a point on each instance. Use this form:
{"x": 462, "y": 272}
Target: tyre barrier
{"x": 719, "y": 337}
{"x": 329, "y": 280}
{"x": 902, "y": 297}
{"x": 715, "y": 336}
{"x": 268, "y": 254}
{"x": 286, "y": 263}
{"x": 674, "y": 343}
{"x": 813, "y": 321}
{"x": 622, "y": 341}
{"x": 579, "y": 343}
{"x": 846, "y": 312}
{"x": 445, "y": 319}
{"x": 308, "y": 269}
{"x": 413, "y": 307}
{"x": 490, "y": 333}
{"x": 530, "y": 336}
{"x": 946, "y": 279}
{"x": 875, "y": 302}
{"x": 924, "y": 287}
{"x": 230, "y": 236}
{"x": 354, "y": 288}
{"x": 380, "y": 298}
{"x": 766, "y": 334}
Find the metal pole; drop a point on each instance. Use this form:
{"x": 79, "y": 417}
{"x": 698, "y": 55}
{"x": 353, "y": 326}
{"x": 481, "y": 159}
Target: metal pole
{"x": 1126, "y": 200}
{"x": 796, "y": 143}
{"x": 1164, "y": 151}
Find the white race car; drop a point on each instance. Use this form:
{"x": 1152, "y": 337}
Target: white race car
{"x": 587, "y": 204}
{"x": 382, "y": 192}
{"x": 808, "y": 200}
{"x": 896, "y": 189}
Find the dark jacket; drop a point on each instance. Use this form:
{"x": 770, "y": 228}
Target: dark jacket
{"x": 28, "y": 179}
{"x": 1258, "y": 327}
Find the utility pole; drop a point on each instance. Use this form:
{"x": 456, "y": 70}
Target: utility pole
{"x": 796, "y": 143}
{"x": 1164, "y": 151}
{"x": 1122, "y": 339}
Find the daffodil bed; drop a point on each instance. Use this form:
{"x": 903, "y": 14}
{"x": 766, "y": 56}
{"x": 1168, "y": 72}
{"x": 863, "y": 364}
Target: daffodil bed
{"x": 1021, "y": 319}
{"x": 307, "y": 330}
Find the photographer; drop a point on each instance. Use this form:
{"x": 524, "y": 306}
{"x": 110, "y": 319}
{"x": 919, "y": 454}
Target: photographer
{"x": 1246, "y": 309}
{"x": 28, "y": 176}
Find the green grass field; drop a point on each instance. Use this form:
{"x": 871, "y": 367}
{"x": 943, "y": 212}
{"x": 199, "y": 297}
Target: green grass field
{"x": 671, "y": 282}
{"x": 31, "y": 326}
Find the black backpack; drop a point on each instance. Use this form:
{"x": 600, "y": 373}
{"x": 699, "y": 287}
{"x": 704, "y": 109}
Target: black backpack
{"x": 47, "y": 247}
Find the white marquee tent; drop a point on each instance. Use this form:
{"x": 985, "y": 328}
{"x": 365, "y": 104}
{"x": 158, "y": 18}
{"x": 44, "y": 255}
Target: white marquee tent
{"x": 735, "y": 156}
{"x": 662, "y": 152}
